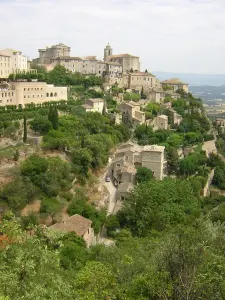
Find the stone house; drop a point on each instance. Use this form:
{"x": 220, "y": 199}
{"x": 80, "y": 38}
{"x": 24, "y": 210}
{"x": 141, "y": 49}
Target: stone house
{"x": 176, "y": 118}
{"x": 94, "y": 105}
{"x": 134, "y": 111}
{"x": 157, "y": 95}
{"x": 151, "y": 157}
{"x": 80, "y": 226}
{"x": 220, "y": 122}
{"x": 128, "y": 158}
{"x": 160, "y": 122}
{"x": 140, "y": 80}
{"x": 176, "y": 84}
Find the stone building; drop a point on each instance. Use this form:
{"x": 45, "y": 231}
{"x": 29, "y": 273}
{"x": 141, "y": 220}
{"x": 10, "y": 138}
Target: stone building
{"x": 5, "y": 65}
{"x": 220, "y": 122}
{"x": 151, "y": 157}
{"x": 176, "y": 84}
{"x": 133, "y": 109}
{"x": 128, "y": 158}
{"x": 94, "y": 105}
{"x": 14, "y": 61}
{"x": 160, "y": 122}
{"x": 176, "y": 118}
{"x": 140, "y": 80}
{"x": 157, "y": 95}
{"x": 46, "y": 55}
{"x": 81, "y": 226}
{"x": 127, "y": 61}
{"x": 22, "y": 93}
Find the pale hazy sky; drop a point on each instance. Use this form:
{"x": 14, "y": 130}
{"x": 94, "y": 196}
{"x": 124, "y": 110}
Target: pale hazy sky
{"x": 168, "y": 35}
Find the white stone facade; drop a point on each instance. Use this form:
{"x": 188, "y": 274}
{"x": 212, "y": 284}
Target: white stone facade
{"x": 22, "y": 93}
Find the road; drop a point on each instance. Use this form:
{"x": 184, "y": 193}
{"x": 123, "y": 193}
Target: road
{"x": 112, "y": 197}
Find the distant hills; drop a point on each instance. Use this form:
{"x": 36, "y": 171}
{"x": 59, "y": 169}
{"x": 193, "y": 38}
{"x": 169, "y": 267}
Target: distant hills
{"x": 194, "y": 79}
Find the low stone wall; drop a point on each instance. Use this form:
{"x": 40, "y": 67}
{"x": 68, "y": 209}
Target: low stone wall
{"x": 209, "y": 181}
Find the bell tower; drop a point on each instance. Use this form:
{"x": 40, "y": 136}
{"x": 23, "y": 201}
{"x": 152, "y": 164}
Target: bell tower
{"x": 108, "y": 51}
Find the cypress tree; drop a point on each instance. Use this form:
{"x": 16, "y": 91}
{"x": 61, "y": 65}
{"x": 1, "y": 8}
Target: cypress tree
{"x": 82, "y": 142}
{"x": 24, "y": 129}
{"x": 50, "y": 114}
{"x": 55, "y": 118}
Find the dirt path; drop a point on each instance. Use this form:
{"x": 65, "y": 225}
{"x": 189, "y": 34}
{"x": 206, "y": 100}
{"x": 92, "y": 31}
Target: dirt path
{"x": 30, "y": 208}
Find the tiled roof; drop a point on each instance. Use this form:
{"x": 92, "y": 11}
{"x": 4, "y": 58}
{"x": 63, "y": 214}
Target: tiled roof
{"x": 76, "y": 223}
{"x": 122, "y": 55}
{"x": 67, "y": 57}
{"x": 142, "y": 74}
{"x": 173, "y": 81}
{"x": 87, "y": 106}
{"x": 96, "y": 100}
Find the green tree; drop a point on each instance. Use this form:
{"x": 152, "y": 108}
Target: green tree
{"x": 143, "y": 175}
{"x": 55, "y": 118}
{"x": 165, "y": 203}
{"x": 96, "y": 281}
{"x": 24, "y": 129}
{"x": 41, "y": 124}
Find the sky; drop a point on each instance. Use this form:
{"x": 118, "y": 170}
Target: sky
{"x": 168, "y": 35}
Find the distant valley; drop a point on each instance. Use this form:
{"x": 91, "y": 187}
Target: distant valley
{"x": 194, "y": 79}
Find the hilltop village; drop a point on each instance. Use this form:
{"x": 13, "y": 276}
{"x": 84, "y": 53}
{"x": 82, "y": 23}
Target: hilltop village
{"x": 112, "y": 182}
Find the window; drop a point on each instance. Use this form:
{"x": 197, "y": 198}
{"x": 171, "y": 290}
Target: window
{"x": 51, "y": 95}
{"x": 118, "y": 165}
{"x": 47, "y": 95}
{"x": 0, "y": 101}
{"x": 55, "y": 95}
{"x": 24, "y": 96}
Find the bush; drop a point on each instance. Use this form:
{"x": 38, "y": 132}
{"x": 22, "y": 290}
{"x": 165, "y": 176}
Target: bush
{"x": 50, "y": 206}
{"x": 66, "y": 195}
{"x": 29, "y": 221}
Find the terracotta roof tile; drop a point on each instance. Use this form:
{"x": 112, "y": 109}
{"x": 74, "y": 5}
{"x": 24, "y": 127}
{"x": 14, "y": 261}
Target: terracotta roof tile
{"x": 76, "y": 223}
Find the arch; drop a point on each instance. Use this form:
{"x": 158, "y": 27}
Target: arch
{"x": 51, "y": 95}
{"x": 55, "y": 95}
{"x": 47, "y": 95}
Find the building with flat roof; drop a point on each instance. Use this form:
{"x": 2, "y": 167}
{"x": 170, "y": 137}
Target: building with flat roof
{"x": 23, "y": 92}
{"x": 18, "y": 61}
{"x": 151, "y": 157}
{"x": 5, "y": 65}
{"x": 46, "y": 55}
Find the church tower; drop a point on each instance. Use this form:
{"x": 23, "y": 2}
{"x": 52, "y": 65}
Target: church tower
{"x": 107, "y": 52}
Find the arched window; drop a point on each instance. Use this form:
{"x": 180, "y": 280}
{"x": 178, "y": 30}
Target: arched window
{"x": 47, "y": 95}
{"x": 51, "y": 95}
{"x": 55, "y": 95}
